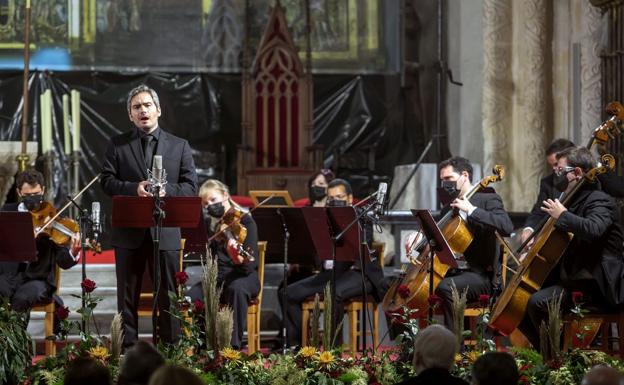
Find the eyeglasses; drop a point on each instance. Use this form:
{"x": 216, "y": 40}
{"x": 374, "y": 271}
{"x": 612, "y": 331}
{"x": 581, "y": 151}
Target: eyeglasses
{"x": 563, "y": 170}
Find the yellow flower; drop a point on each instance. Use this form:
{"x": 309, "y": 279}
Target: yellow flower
{"x": 326, "y": 358}
{"x": 458, "y": 358}
{"x": 307, "y": 351}
{"x": 99, "y": 353}
{"x": 472, "y": 355}
{"x": 231, "y": 354}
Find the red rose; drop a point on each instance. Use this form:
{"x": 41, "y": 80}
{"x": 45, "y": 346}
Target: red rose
{"x": 181, "y": 277}
{"x": 524, "y": 380}
{"x": 198, "y": 306}
{"x": 404, "y": 291}
{"x": 484, "y": 300}
{"x": 62, "y": 312}
{"x": 434, "y": 300}
{"x": 88, "y": 285}
{"x": 577, "y": 297}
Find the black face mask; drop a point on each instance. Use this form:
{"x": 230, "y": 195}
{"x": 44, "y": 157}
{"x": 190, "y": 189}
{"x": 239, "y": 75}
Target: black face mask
{"x": 317, "y": 193}
{"x": 32, "y": 202}
{"x": 216, "y": 210}
{"x": 450, "y": 187}
{"x": 337, "y": 203}
{"x": 561, "y": 182}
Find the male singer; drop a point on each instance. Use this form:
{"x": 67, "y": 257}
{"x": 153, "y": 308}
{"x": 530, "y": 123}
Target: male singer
{"x": 124, "y": 172}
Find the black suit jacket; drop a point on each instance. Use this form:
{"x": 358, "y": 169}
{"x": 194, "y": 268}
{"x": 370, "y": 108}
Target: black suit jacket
{"x": 610, "y": 183}
{"x": 48, "y": 255}
{"x": 595, "y": 252}
{"x": 434, "y": 376}
{"x": 124, "y": 167}
{"x": 488, "y": 217}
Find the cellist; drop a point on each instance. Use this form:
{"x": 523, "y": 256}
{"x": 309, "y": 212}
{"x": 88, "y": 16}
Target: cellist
{"x": 484, "y": 214}
{"x": 592, "y": 262}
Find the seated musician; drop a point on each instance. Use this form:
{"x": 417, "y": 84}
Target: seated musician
{"x": 484, "y": 214}
{"x": 237, "y": 273}
{"x": 26, "y": 284}
{"x": 610, "y": 183}
{"x": 592, "y": 262}
{"x": 317, "y": 188}
{"x": 348, "y": 274}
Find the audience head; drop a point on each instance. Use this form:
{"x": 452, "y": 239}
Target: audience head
{"x": 603, "y": 375}
{"x": 317, "y": 186}
{"x": 85, "y": 370}
{"x": 339, "y": 193}
{"x": 435, "y": 347}
{"x": 555, "y": 147}
{"x": 495, "y": 368}
{"x": 139, "y": 362}
{"x": 174, "y": 375}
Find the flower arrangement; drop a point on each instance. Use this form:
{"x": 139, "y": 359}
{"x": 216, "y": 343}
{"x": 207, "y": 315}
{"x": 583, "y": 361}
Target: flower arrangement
{"x": 311, "y": 365}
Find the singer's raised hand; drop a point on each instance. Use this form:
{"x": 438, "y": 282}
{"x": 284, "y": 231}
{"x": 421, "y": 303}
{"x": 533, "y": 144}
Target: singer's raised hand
{"x": 141, "y": 189}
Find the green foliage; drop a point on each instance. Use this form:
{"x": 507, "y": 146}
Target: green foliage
{"x": 15, "y": 343}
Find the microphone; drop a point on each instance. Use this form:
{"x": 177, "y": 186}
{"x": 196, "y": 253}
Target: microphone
{"x": 158, "y": 175}
{"x": 381, "y": 198}
{"x": 95, "y": 220}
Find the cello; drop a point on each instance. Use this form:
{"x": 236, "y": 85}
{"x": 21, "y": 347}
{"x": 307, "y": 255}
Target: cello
{"x": 549, "y": 246}
{"x": 415, "y": 276}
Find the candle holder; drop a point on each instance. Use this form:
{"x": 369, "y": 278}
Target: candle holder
{"x": 22, "y": 161}
{"x": 47, "y": 160}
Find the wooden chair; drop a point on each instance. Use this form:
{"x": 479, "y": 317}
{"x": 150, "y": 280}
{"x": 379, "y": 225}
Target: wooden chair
{"x": 48, "y": 308}
{"x": 353, "y": 310}
{"x": 255, "y": 306}
{"x": 595, "y": 322}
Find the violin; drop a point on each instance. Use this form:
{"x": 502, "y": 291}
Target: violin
{"x": 60, "y": 230}
{"x": 230, "y": 228}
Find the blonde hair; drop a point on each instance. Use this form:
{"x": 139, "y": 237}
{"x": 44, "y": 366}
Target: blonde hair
{"x": 214, "y": 184}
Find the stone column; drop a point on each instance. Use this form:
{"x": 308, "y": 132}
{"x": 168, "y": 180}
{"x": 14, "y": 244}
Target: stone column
{"x": 497, "y": 86}
{"x": 591, "y": 86}
{"x": 532, "y": 101}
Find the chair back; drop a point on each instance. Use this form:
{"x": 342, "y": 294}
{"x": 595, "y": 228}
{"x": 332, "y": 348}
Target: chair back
{"x": 380, "y": 251}
{"x": 262, "y": 245}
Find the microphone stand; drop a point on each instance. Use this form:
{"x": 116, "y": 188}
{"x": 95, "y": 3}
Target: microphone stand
{"x": 158, "y": 215}
{"x": 84, "y": 223}
{"x": 335, "y": 241}
{"x": 285, "y": 344}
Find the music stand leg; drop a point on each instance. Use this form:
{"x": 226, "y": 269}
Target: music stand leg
{"x": 285, "y": 344}
{"x": 431, "y": 256}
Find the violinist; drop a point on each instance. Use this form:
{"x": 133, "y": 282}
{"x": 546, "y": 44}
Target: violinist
{"x": 592, "y": 262}
{"x": 484, "y": 214}
{"x": 237, "y": 261}
{"x": 25, "y": 284}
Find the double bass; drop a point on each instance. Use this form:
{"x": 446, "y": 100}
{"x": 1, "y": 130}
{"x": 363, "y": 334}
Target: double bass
{"x": 416, "y": 275}
{"x": 549, "y": 246}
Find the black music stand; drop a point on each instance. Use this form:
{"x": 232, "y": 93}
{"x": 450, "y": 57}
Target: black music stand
{"x": 303, "y": 238}
{"x": 138, "y": 212}
{"x": 348, "y": 248}
{"x": 437, "y": 246}
{"x": 18, "y": 237}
